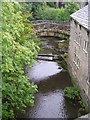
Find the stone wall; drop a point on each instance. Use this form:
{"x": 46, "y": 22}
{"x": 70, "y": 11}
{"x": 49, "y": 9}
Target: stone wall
{"x": 52, "y": 28}
{"x": 78, "y": 57}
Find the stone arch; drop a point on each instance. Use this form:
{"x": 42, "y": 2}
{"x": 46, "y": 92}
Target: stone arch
{"x": 52, "y": 28}
{"x": 63, "y": 35}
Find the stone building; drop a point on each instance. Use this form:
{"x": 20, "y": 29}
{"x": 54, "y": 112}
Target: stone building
{"x": 79, "y": 50}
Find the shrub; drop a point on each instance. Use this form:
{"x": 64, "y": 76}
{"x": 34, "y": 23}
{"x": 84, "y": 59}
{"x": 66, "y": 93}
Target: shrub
{"x": 63, "y": 64}
{"x": 73, "y": 93}
{"x": 72, "y": 7}
{"x": 19, "y": 47}
{"x": 44, "y": 12}
{"x": 62, "y": 15}
{"x": 48, "y": 13}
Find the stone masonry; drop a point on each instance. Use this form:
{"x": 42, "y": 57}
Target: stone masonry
{"x": 79, "y": 51}
{"x": 51, "y": 28}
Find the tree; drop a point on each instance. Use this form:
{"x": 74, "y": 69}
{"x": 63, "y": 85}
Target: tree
{"x": 19, "y": 47}
{"x": 71, "y": 7}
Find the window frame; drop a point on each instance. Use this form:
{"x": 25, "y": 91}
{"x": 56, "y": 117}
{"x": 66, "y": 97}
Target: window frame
{"x": 85, "y": 46}
{"x": 78, "y": 39}
{"x": 76, "y": 59}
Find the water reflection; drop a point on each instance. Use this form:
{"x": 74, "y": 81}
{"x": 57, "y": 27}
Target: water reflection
{"x": 50, "y": 104}
{"x": 43, "y": 70}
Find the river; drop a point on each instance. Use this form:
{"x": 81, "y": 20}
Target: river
{"x": 51, "y": 79}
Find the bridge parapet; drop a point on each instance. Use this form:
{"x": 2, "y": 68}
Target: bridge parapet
{"x": 49, "y": 21}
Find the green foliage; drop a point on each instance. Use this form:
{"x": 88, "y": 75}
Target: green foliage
{"x": 35, "y": 8}
{"x": 65, "y": 55}
{"x": 82, "y": 104}
{"x": 72, "y": 7}
{"x": 19, "y": 47}
{"x": 72, "y": 92}
{"x": 45, "y": 12}
{"x": 51, "y": 4}
{"x": 63, "y": 64}
{"x": 63, "y": 45}
{"x": 26, "y": 7}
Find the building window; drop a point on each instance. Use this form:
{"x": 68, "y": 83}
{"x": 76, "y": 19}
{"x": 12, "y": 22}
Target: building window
{"x": 76, "y": 59}
{"x": 75, "y": 23}
{"x": 87, "y": 33}
{"x": 85, "y": 46}
{"x": 80, "y": 27}
{"x": 71, "y": 19}
{"x": 78, "y": 38}
{"x": 88, "y": 81}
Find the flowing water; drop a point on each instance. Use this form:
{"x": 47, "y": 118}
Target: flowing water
{"x": 51, "y": 79}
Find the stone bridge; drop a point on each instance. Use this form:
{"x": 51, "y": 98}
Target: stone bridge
{"x": 52, "y": 28}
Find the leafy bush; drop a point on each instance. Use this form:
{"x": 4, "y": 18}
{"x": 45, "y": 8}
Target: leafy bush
{"x": 35, "y": 8}
{"x": 63, "y": 64}
{"x": 72, "y": 7}
{"x": 73, "y": 93}
{"x": 62, "y": 15}
{"x": 19, "y": 47}
{"x": 45, "y": 12}
{"x": 48, "y": 13}
{"x": 26, "y": 7}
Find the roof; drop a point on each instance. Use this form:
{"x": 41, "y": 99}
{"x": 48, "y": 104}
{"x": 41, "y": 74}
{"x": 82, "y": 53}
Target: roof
{"x": 82, "y": 16}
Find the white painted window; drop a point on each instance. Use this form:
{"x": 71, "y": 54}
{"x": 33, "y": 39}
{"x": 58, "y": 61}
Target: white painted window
{"x": 78, "y": 38}
{"x": 88, "y": 81}
{"x": 76, "y": 59}
{"x": 85, "y": 46}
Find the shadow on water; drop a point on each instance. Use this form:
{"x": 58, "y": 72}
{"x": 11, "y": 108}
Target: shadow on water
{"x": 50, "y": 101}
